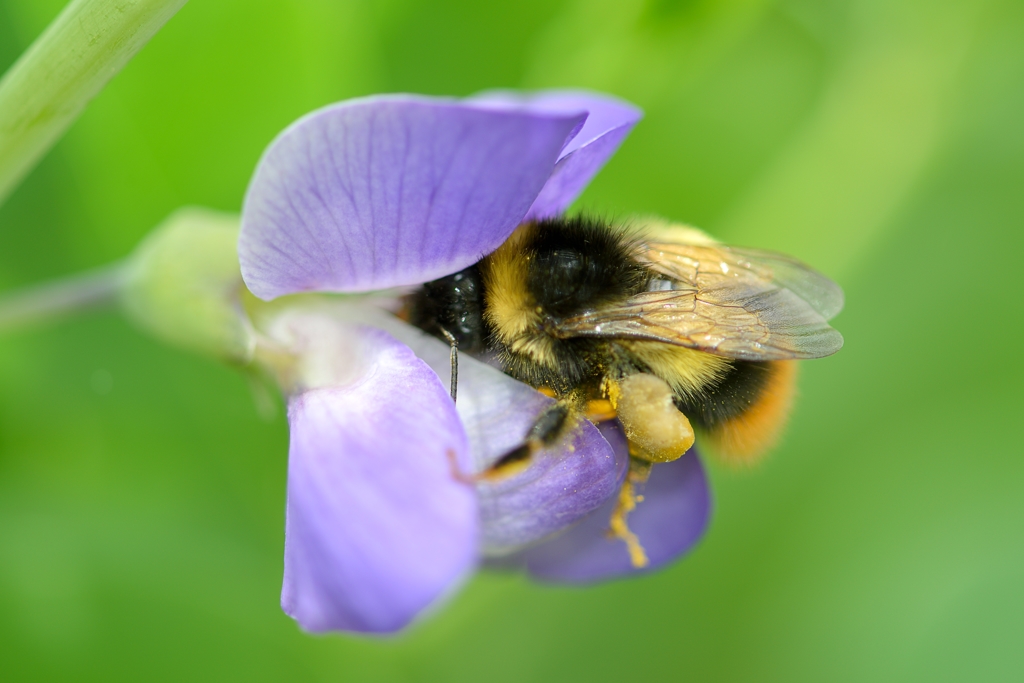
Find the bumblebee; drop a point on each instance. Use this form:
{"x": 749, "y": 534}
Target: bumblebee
{"x": 658, "y": 326}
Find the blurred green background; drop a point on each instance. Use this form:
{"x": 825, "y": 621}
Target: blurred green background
{"x": 141, "y": 497}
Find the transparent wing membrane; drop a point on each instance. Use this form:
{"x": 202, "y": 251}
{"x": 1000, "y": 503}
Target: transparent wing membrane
{"x": 739, "y": 303}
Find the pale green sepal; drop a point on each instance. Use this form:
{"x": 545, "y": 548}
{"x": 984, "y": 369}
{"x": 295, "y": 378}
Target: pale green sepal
{"x": 46, "y": 89}
{"x": 183, "y": 285}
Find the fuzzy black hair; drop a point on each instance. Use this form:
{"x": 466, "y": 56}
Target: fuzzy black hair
{"x": 579, "y": 264}
{"x": 738, "y": 389}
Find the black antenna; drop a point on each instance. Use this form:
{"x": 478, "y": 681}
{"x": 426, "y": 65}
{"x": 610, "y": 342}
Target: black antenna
{"x": 454, "y": 360}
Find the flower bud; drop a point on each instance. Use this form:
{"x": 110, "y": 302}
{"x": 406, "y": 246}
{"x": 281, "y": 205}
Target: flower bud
{"x": 183, "y": 285}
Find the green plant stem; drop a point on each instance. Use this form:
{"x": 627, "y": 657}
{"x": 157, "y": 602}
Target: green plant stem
{"x": 51, "y": 300}
{"x": 50, "y": 84}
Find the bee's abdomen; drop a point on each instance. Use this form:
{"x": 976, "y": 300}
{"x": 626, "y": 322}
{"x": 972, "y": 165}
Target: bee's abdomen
{"x": 739, "y": 389}
{"x": 744, "y": 413}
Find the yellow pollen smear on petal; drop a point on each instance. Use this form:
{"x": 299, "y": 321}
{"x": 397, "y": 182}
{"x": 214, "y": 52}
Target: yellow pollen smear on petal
{"x": 639, "y": 471}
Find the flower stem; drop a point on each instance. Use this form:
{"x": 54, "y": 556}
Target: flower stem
{"x": 51, "y": 300}
{"x": 50, "y": 84}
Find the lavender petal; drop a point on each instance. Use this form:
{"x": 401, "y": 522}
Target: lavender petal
{"x": 377, "y": 527}
{"x": 669, "y": 521}
{"x": 562, "y": 484}
{"x": 608, "y": 123}
{"x": 393, "y": 190}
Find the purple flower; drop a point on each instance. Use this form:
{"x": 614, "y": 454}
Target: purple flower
{"x": 393, "y": 191}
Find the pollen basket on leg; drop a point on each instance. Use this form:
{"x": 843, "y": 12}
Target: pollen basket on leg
{"x": 656, "y": 430}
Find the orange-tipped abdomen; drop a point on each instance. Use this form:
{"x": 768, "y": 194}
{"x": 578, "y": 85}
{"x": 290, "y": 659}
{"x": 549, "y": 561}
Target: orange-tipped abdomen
{"x": 743, "y": 440}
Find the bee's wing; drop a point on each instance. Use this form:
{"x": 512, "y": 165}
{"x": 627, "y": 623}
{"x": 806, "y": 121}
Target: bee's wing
{"x": 824, "y": 296}
{"x": 739, "y": 303}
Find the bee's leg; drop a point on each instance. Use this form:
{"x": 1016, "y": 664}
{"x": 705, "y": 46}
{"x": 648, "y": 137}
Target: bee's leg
{"x": 548, "y": 428}
{"x": 657, "y": 431}
{"x": 629, "y": 497}
{"x": 596, "y": 410}
{"x": 454, "y": 361}
{"x": 600, "y": 410}
{"x": 546, "y": 431}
